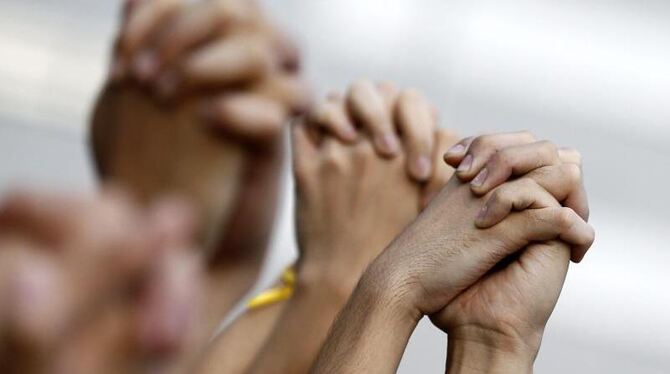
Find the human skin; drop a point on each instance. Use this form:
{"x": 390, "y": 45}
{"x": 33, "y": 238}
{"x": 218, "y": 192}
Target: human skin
{"x": 233, "y": 84}
{"x": 105, "y": 288}
{"x": 496, "y": 325}
{"x": 408, "y": 280}
{"x": 337, "y": 208}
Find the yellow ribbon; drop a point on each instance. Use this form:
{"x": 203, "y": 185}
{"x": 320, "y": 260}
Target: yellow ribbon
{"x": 276, "y": 294}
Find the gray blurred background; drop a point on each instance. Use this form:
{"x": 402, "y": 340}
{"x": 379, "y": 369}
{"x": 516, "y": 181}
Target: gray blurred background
{"x": 591, "y": 74}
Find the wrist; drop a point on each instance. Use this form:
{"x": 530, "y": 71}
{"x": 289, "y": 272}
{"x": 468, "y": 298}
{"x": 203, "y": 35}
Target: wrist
{"x": 488, "y": 352}
{"x": 385, "y": 287}
{"x": 329, "y": 288}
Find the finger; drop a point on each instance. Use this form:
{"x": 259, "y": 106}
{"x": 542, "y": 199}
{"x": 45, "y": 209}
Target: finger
{"x": 331, "y": 116}
{"x": 142, "y": 28}
{"x": 367, "y": 108}
{"x": 484, "y": 147}
{"x": 198, "y": 23}
{"x": 32, "y": 311}
{"x": 169, "y": 306}
{"x": 514, "y": 161}
{"x": 441, "y": 172}
{"x": 565, "y": 183}
{"x": 287, "y": 50}
{"x": 288, "y": 89}
{"x": 45, "y": 217}
{"x": 389, "y": 92}
{"x": 454, "y": 155}
{"x": 578, "y": 199}
{"x": 246, "y": 115}
{"x": 234, "y": 61}
{"x": 305, "y": 151}
{"x": 416, "y": 125}
{"x": 517, "y": 195}
{"x": 570, "y": 155}
{"x": 532, "y": 225}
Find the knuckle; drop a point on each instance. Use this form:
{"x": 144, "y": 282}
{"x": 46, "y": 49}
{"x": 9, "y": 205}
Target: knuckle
{"x": 358, "y": 86}
{"x": 528, "y": 184}
{"x": 573, "y": 155}
{"x": 572, "y": 172}
{"x": 482, "y": 142}
{"x": 501, "y": 196}
{"x": 564, "y": 219}
{"x": 334, "y": 162}
{"x": 526, "y": 135}
{"x": 410, "y": 95}
{"x": 500, "y": 159}
{"x": 548, "y": 149}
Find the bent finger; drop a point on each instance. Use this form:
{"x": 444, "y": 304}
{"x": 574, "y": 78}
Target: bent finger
{"x": 517, "y": 195}
{"x": 482, "y": 148}
{"x": 249, "y": 116}
{"x": 514, "y": 161}
{"x": 368, "y": 109}
{"x": 417, "y": 126}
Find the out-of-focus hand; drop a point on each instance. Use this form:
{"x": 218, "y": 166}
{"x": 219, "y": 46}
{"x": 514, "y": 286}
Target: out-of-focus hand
{"x": 199, "y": 93}
{"x": 350, "y": 204}
{"x": 392, "y": 118}
{"x": 225, "y": 51}
{"x": 96, "y": 285}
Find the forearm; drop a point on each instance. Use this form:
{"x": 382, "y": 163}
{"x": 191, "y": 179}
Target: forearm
{"x": 234, "y": 350}
{"x": 473, "y": 356}
{"x": 302, "y": 327}
{"x": 371, "y": 332}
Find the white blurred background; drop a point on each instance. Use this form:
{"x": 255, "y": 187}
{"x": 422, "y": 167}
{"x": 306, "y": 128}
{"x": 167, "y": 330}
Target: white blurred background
{"x": 591, "y": 74}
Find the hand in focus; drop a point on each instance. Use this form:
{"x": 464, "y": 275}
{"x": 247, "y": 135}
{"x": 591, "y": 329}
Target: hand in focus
{"x": 445, "y": 236}
{"x": 96, "y": 285}
{"x": 506, "y": 311}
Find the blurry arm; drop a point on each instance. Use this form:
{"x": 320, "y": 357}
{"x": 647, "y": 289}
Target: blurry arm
{"x": 302, "y": 326}
{"x": 234, "y": 350}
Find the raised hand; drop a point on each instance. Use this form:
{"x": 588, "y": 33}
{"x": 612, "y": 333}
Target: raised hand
{"x": 394, "y": 119}
{"x": 439, "y": 257}
{"x": 198, "y": 96}
{"x": 96, "y": 285}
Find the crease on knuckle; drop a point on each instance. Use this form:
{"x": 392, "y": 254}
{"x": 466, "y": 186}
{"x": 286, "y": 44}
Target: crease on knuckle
{"x": 573, "y": 173}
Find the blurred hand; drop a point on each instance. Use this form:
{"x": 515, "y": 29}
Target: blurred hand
{"x": 350, "y": 204}
{"x": 225, "y": 51}
{"x": 95, "y": 285}
{"x": 197, "y": 99}
{"x": 392, "y": 118}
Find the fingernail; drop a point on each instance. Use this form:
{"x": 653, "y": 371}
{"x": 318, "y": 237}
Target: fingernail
{"x": 422, "y": 166}
{"x": 387, "y": 142}
{"x": 466, "y": 164}
{"x": 456, "y": 149}
{"x": 480, "y": 178}
{"x": 145, "y": 65}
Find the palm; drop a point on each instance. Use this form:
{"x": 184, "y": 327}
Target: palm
{"x": 517, "y": 299}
